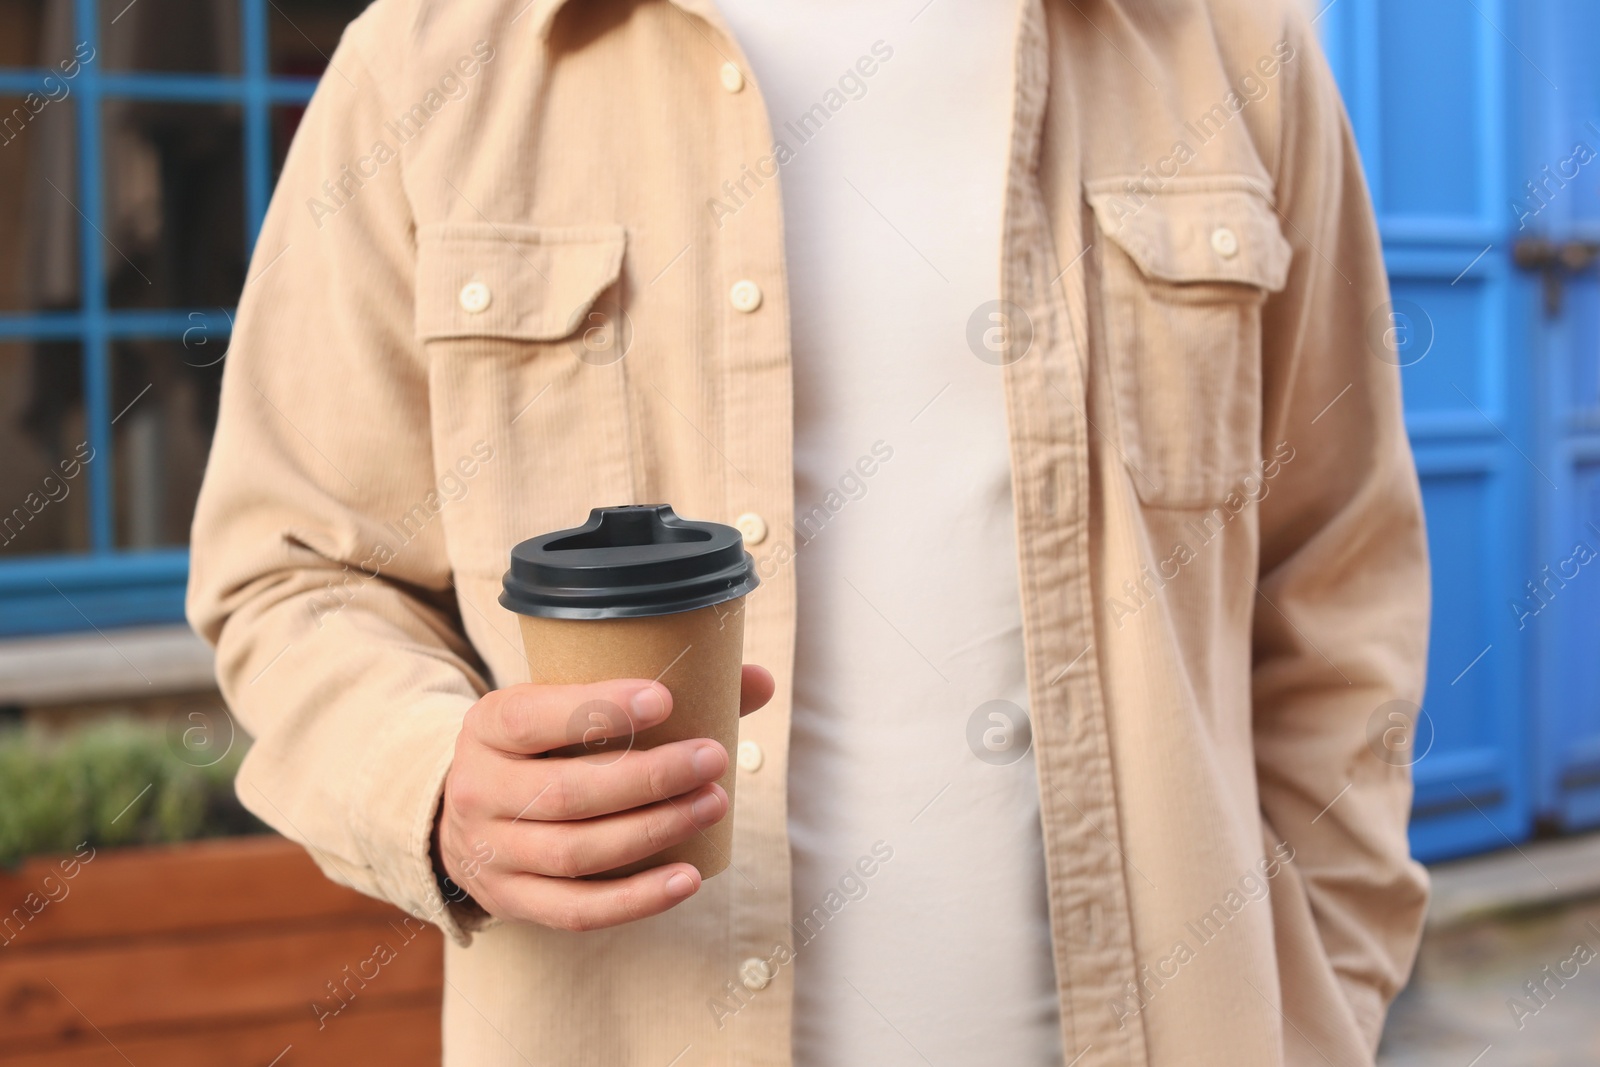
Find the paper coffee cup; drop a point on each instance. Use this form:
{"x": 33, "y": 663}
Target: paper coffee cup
{"x": 637, "y": 592}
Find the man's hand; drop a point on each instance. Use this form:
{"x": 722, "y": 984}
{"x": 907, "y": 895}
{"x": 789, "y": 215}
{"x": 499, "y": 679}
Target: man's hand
{"x": 517, "y": 832}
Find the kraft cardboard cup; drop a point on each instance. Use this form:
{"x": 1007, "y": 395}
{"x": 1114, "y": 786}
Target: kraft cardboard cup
{"x": 637, "y": 592}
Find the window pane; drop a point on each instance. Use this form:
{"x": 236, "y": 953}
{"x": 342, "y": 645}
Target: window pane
{"x": 174, "y": 204}
{"x": 22, "y": 32}
{"x": 44, "y": 481}
{"x": 285, "y": 122}
{"x": 302, "y": 34}
{"x": 164, "y": 398}
{"x": 38, "y": 188}
{"x": 38, "y": 34}
{"x": 188, "y": 36}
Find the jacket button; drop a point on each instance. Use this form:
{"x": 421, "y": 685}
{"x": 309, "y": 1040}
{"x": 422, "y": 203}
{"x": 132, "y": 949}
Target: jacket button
{"x": 746, "y": 295}
{"x": 750, "y": 757}
{"x": 732, "y": 80}
{"x": 755, "y": 973}
{"x": 751, "y": 527}
{"x": 474, "y": 297}
{"x": 1224, "y": 242}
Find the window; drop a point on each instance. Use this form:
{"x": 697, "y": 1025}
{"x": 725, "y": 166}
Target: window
{"x": 139, "y": 142}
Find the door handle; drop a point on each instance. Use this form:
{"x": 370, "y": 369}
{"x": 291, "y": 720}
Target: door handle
{"x": 1554, "y": 260}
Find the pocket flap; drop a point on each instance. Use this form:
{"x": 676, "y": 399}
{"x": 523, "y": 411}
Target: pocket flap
{"x": 1198, "y": 234}
{"x": 501, "y": 280}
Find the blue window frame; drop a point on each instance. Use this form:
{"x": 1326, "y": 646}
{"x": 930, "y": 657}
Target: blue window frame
{"x": 101, "y": 575}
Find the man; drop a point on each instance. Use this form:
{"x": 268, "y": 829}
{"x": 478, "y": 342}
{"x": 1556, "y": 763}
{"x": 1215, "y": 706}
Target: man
{"x": 1028, "y": 347}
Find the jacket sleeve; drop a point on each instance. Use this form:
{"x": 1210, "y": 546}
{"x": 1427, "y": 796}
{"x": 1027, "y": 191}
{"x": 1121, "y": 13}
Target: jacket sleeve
{"x": 318, "y": 564}
{"x": 1341, "y": 619}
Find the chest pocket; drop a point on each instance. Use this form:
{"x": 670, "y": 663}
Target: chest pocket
{"x": 525, "y": 335}
{"x": 1184, "y": 277}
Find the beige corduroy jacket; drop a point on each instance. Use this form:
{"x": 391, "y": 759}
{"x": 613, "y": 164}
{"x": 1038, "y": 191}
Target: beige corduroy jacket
{"x": 494, "y": 290}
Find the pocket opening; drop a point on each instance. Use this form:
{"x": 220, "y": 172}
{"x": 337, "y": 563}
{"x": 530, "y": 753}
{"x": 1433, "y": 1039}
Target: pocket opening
{"x": 512, "y": 281}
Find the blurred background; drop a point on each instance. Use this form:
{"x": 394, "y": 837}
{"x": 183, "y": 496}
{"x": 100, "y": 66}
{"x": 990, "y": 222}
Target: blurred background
{"x": 139, "y": 143}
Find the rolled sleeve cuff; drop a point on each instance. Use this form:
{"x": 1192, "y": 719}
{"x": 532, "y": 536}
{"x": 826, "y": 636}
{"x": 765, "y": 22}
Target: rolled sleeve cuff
{"x": 398, "y": 796}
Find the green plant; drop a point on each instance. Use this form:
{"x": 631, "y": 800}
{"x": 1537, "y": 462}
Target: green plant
{"x": 114, "y": 782}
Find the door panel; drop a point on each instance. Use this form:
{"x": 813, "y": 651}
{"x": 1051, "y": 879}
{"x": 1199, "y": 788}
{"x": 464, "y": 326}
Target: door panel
{"x": 1434, "y": 158}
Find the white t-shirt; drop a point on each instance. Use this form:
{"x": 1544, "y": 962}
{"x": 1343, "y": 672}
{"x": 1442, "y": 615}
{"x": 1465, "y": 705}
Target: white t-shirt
{"x": 909, "y": 612}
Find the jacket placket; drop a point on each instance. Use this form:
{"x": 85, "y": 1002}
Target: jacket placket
{"x": 1046, "y": 389}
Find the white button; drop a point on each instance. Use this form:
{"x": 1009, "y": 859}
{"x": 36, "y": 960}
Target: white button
{"x": 732, "y": 80}
{"x": 746, "y": 295}
{"x": 475, "y": 298}
{"x": 755, "y": 973}
{"x": 750, "y": 757}
{"x": 1225, "y": 242}
{"x": 752, "y": 527}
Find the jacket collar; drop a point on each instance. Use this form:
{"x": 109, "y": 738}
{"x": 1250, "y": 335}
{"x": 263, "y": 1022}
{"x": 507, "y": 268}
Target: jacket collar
{"x": 543, "y": 13}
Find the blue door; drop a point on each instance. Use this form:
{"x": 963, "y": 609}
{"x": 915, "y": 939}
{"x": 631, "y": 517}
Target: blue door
{"x": 1478, "y": 126}
{"x": 1564, "y": 140}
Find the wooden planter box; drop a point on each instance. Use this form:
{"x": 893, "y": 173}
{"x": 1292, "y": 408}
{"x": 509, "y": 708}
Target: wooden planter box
{"x": 211, "y": 954}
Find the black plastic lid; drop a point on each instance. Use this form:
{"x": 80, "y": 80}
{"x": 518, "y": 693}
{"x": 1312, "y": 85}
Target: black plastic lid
{"x": 628, "y": 562}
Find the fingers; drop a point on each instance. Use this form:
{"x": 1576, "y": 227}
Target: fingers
{"x": 593, "y": 846}
{"x": 532, "y": 719}
{"x": 557, "y": 790}
{"x": 756, "y": 687}
{"x": 566, "y": 904}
